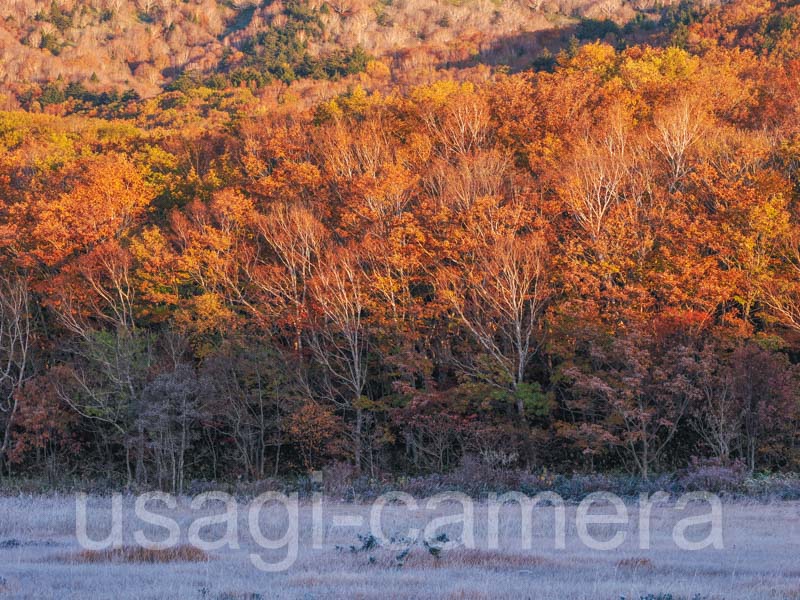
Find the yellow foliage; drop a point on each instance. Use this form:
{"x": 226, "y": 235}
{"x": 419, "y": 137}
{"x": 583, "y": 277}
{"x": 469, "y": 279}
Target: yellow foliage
{"x": 598, "y": 58}
{"x": 378, "y": 69}
{"x": 658, "y": 68}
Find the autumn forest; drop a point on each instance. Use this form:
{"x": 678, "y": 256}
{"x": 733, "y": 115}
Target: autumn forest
{"x": 256, "y": 240}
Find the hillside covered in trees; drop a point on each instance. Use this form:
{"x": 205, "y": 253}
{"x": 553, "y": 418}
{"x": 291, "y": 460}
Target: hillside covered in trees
{"x": 95, "y": 52}
{"x": 243, "y": 240}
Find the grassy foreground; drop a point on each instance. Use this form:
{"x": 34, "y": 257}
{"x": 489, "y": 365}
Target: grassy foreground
{"x": 40, "y": 556}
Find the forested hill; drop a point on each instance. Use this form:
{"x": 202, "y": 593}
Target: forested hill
{"x": 84, "y": 54}
{"x": 81, "y": 49}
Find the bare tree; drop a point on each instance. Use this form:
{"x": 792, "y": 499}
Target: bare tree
{"x": 596, "y": 178}
{"x": 340, "y": 339}
{"x": 248, "y": 389}
{"x": 717, "y": 419}
{"x": 348, "y": 154}
{"x": 677, "y": 128}
{"x": 782, "y": 294}
{"x": 115, "y": 356}
{"x": 295, "y": 240}
{"x": 460, "y": 183}
{"x": 170, "y": 411}
{"x": 461, "y": 126}
{"x": 499, "y": 299}
{"x": 16, "y": 338}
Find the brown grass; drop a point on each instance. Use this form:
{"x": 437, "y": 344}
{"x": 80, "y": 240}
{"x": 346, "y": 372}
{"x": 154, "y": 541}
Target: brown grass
{"x": 476, "y": 559}
{"x": 485, "y": 559}
{"x": 136, "y": 554}
{"x": 635, "y": 563}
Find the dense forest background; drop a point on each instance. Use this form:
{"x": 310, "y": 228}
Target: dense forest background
{"x": 247, "y": 240}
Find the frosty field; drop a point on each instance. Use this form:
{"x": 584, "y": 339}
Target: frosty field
{"x": 40, "y": 557}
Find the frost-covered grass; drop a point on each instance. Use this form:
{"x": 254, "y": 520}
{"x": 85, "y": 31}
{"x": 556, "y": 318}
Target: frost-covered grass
{"x": 759, "y": 559}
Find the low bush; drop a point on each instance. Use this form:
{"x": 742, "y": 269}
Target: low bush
{"x": 711, "y": 475}
{"x": 137, "y": 554}
{"x": 773, "y": 487}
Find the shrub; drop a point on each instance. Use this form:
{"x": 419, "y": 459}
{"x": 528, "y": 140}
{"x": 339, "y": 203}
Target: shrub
{"x": 473, "y": 477}
{"x": 577, "y": 487}
{"x": 777, "y": 487}
{"x": 710, "y": 475}
{"x": 338, "y": 479}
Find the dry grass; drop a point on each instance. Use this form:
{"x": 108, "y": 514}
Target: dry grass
{"x": 137, "y": 554}
{"x": 759, "y": 559}
{"x": 475, "y": 559}
{"x": 459, "y": 558}
{"x": 635, "y": 563}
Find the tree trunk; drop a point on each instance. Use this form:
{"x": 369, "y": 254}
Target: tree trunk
{"x": 357, "y": 440}
{"x": 7, "y": 436}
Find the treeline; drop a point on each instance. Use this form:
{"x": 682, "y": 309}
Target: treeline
{"x": 594, "y": 268}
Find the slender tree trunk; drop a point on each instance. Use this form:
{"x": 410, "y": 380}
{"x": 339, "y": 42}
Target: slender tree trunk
{"x": 127, "y": 465}
{"x": 140, "y": 454}
{"x": 645, "y": 456}
{"x": 358, "y": 445}
{"x": 7, "y": 437}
